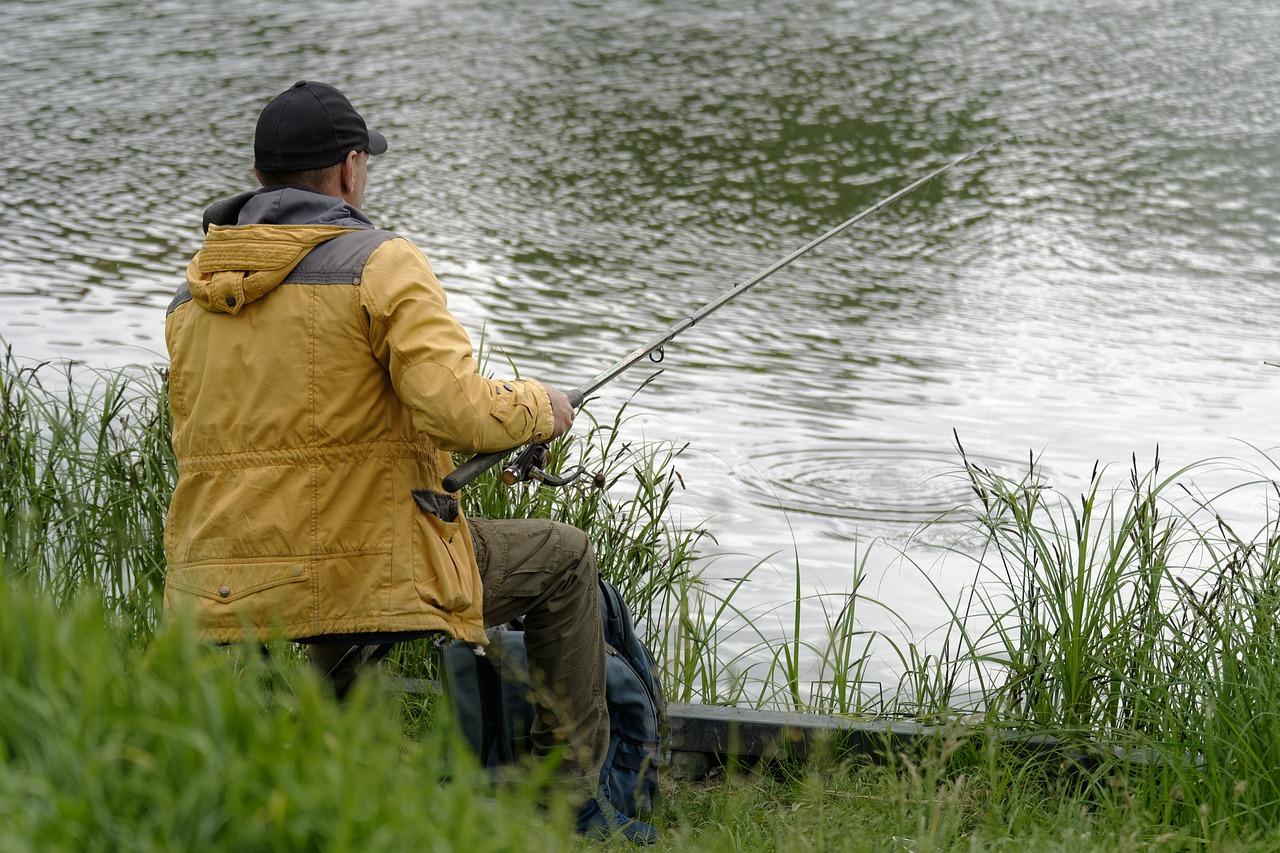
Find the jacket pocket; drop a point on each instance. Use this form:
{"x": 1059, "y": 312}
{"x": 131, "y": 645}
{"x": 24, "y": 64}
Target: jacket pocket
{"x": 515, "y": 407}
{"x": 442, "y": 506}
{"x": 229, "y": 584}
{"x": 443, "y": 568}
{"x": 229, "y": 597}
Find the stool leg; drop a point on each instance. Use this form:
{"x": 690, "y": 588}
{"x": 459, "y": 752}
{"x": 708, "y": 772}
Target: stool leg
{"x": 340, "y": 665}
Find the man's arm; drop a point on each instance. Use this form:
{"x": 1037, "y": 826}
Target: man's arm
{"x": 429, "y": 358}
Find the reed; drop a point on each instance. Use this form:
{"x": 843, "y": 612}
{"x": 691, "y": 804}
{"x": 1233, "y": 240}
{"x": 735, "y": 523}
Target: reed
{"x": 86, "y": 470}
{"x": 1135, "y": 617}
{"x": 1130, "y": 617}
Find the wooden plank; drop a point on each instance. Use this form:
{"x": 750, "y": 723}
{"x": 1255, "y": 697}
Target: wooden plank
{"x": 704, "y": 736}
{"x": 746, "y": 732}
{"x": 723, "y": 734}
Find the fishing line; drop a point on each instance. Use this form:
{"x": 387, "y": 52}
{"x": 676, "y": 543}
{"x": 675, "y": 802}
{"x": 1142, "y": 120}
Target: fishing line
{"x": 530, "y": 467}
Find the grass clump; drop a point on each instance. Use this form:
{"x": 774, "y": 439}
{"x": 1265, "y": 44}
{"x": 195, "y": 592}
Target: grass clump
{"x": 104, "y": 746}
{"x": 954, "y": 797}
{"x": 86, "y": 470}
{"x": 1138, "y": 624}
{"x": 639, "y": 545}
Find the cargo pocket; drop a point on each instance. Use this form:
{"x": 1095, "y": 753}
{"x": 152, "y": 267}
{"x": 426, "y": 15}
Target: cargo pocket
{"x": 511, "y": 408}
{"x": 226, "y": 597}
{"x": 442, "y": 570}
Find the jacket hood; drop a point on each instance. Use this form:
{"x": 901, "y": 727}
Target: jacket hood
{"x": 297, "y": 206}
{"x": 245, "y": 258}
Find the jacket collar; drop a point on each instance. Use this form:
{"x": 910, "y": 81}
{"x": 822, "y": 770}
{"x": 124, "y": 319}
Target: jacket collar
{"x": 289, "y": 205}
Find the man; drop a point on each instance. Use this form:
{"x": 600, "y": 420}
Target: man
{"x": 318, "y": 384}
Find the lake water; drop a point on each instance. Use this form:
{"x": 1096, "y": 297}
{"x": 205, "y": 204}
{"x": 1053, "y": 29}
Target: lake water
{"x": 581, "y": 174}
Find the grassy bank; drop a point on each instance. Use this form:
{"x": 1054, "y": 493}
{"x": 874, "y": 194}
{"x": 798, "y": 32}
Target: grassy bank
{"x": 108, "y": 746}
{"x": 1130, "y": 617}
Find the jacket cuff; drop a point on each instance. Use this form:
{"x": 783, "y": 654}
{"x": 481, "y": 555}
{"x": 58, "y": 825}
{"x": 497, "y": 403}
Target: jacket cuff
{"x": 544, "y": 422}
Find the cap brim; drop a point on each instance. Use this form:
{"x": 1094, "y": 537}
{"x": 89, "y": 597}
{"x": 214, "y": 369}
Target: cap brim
{"x": 377, "y": 143}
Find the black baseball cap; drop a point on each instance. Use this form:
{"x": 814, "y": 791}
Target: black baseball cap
{"x": 310, "y": 126}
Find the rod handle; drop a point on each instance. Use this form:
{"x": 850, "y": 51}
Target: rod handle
{"x": 472, "y": 468}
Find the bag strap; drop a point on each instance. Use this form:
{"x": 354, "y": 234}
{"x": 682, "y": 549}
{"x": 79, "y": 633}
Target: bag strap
{"x": 490, "y": 686}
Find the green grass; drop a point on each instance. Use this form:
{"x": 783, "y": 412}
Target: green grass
{"x": 1130, "y": 619}
{"x": 956, "y": 797}
{"x": 86, "y": 471}
{"x": 1139, "y": 620}
{"x": 105, "y": 746}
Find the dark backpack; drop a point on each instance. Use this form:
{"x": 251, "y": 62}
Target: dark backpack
{"x": 489, "y": 694}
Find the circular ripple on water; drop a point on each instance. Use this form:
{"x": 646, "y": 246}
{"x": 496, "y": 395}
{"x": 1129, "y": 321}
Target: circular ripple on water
{"x": 868, "y": 482}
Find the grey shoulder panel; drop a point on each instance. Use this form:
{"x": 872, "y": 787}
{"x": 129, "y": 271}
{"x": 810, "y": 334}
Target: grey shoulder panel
{"x": 340, "y": 260}
{"x": 181, "y": 297}
{"x": 337, "y": 261}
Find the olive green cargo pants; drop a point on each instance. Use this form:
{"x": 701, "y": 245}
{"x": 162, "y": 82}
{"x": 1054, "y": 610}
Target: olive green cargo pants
{"x": 544, "y": 571}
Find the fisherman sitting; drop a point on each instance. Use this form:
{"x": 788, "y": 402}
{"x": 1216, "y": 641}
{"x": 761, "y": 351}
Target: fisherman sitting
{"x": 318, "y": 384}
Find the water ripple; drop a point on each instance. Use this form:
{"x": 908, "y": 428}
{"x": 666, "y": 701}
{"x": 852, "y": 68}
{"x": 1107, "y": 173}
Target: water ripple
{"x": 878, "y": 482}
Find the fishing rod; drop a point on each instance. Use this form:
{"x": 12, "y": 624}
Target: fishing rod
{"x": 529, "y": 464}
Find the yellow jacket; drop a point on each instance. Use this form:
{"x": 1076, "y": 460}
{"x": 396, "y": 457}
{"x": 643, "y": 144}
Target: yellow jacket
{"x": 317, "y": 380}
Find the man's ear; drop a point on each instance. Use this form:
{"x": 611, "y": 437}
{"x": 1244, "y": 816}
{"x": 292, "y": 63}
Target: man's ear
{"x": 347, "y": 173}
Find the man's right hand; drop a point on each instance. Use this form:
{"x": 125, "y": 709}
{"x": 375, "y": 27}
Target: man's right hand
{"x": 561, "y": 411}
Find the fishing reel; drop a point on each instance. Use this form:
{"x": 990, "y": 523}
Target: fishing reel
{"x": 529, "y": 465}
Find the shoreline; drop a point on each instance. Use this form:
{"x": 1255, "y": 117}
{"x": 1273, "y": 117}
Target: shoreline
{"x": 1122, "y": 617}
